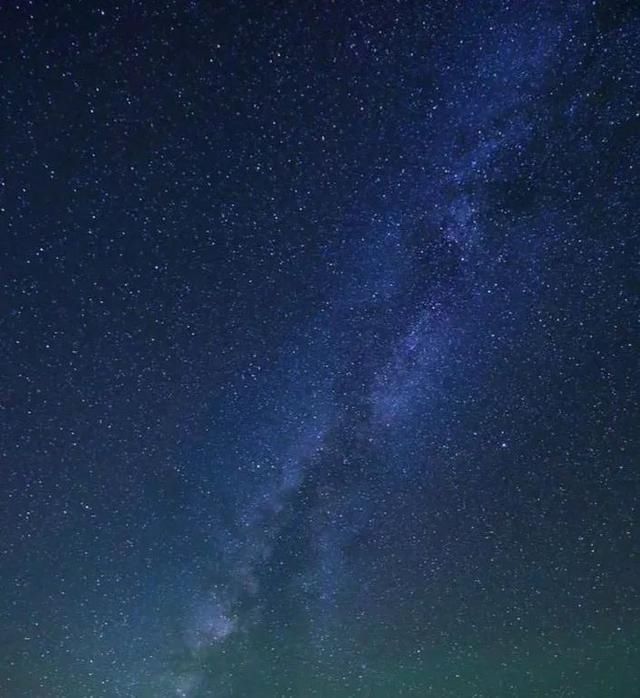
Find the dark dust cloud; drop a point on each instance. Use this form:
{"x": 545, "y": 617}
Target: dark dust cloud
{"x": 319, "y": 330}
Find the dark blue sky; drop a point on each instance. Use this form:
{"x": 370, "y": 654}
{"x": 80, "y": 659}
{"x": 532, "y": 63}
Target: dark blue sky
{"x": 319, "y": 325}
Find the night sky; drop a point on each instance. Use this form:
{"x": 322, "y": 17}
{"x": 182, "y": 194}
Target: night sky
{"x": 319, "y": 336}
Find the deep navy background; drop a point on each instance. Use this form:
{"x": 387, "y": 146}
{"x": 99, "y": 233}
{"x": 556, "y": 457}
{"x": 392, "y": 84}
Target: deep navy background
{"x": 319, "y": 326}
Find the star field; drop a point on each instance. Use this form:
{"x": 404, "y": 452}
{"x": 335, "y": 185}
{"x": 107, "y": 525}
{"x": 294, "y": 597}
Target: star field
{"x": 319, "y": 325}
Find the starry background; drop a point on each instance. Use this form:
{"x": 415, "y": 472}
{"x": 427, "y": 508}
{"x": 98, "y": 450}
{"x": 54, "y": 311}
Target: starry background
{"x": 319, "y": 333}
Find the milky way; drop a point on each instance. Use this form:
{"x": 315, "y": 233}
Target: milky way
{"x": 321, "y": 328}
